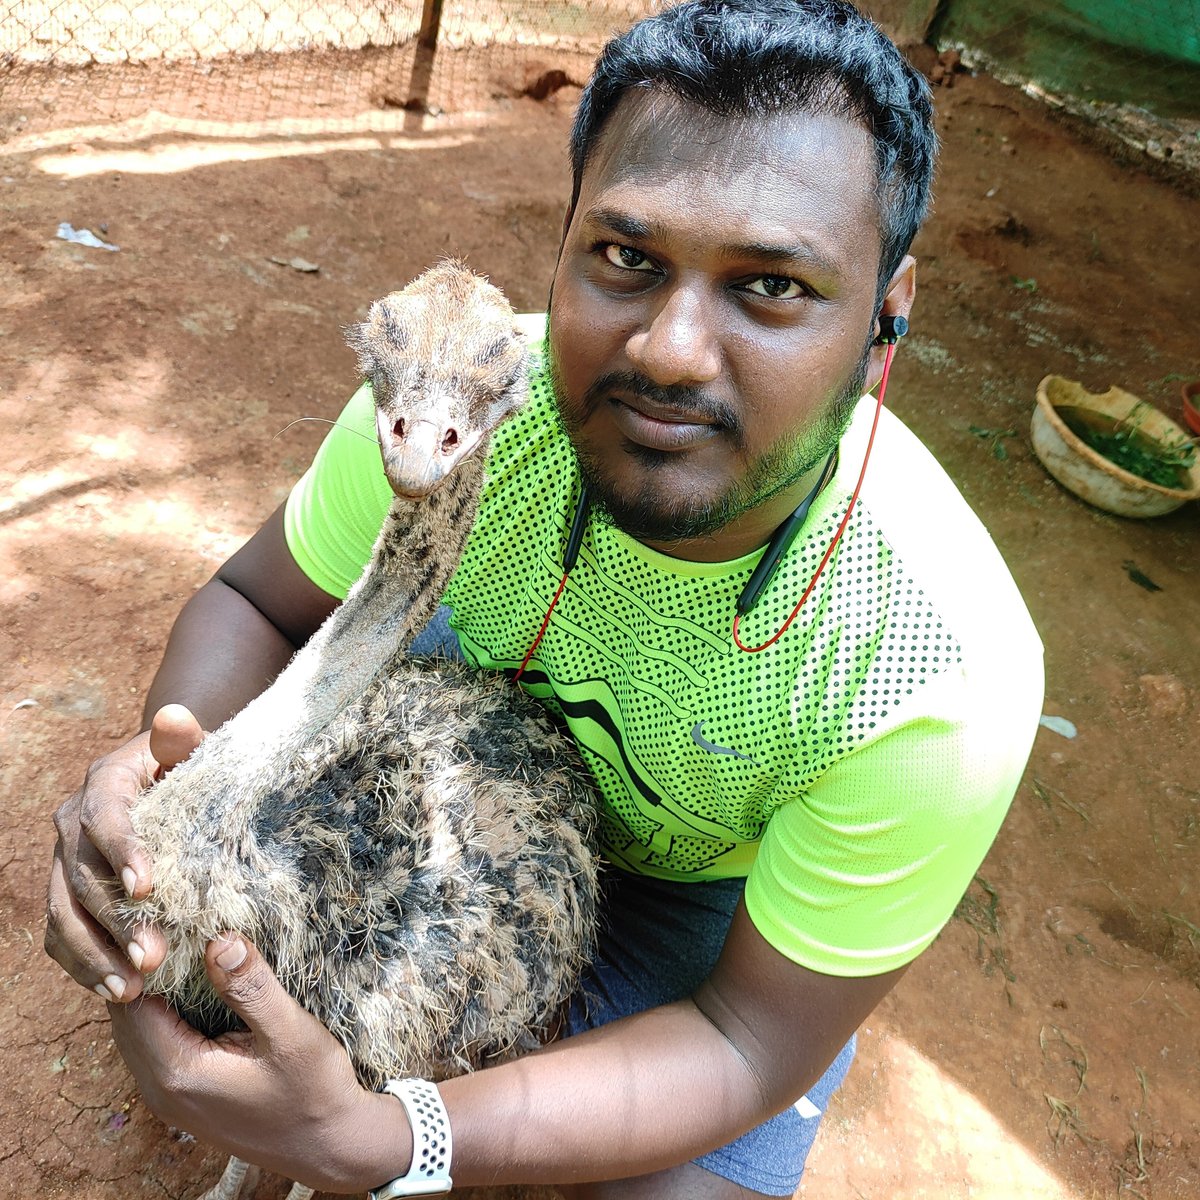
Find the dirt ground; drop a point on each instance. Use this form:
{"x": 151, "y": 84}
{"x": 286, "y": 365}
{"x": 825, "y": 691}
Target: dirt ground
{"x": 1046, "y": 1046}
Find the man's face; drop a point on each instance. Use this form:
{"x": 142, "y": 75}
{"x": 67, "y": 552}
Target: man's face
{"x": 711, "y": 316}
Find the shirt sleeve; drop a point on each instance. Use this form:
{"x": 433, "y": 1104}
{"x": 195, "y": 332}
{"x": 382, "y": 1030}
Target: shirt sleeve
{"x": 859, "y": 874}
{"x": 334, "y": 513}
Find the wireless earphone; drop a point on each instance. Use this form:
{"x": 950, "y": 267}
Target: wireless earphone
{"x": 891, "y": 330}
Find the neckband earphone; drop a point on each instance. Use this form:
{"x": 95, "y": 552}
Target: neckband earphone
{"x": 891, "y": 330}
{"x": 781, "y": 541}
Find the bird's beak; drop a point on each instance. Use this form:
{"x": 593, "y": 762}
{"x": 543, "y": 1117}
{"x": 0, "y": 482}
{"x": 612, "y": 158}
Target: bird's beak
{"x": 419, "y": 454}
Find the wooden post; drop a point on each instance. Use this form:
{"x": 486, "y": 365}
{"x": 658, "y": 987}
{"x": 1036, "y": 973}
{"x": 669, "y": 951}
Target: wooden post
{"x": 431, "y": 20}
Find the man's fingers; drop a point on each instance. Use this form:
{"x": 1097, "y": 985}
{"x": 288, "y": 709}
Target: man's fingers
{"x": 100, "y": 811}
{"x": 98, "y": 862}
{"x": 83, "y": 947}
{"x": 159, "y": 1032}
{"x": 243, "y": 979}
{"x": 94, "y": 886}
{"x": 174, "y": 734}
{"x": 161, "y": 1051}
{"x": 89, "y": 875}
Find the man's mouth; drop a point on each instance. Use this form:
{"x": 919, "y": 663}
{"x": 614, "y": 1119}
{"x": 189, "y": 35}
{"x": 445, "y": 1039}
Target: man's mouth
{"x": 658, "y": 427}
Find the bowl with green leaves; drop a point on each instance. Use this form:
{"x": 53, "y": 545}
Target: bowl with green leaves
{"x": 1114, "y": 450}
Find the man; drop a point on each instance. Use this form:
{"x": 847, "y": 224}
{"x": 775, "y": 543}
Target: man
{"x": 747, "y": 180}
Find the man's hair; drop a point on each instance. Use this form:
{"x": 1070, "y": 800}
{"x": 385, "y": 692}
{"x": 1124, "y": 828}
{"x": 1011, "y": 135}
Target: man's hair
{"x": 740, "y": 58}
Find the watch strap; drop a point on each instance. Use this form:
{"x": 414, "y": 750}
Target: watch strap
{"x": 429, "y": 1172}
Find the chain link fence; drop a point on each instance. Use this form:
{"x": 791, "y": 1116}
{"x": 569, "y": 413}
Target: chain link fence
{"x": 74, "y": 33}
{"x": 1134, "y": 69}
{"x": 79, "y": 60}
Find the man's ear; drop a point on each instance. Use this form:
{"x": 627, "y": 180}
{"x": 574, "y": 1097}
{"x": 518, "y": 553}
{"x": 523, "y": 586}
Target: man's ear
{"x": 897, "y": 302}
{"x": 901, "y": 291}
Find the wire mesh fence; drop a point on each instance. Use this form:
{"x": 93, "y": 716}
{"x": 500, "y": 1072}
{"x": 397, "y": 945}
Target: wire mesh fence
{"x": 80, "y": 33}
{"x": 64, "y": 61}
{"x": 264, "y": 59}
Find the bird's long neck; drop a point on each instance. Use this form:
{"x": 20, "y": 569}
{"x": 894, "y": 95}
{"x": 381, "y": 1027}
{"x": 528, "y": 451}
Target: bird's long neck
{"x": 417, "y": 551}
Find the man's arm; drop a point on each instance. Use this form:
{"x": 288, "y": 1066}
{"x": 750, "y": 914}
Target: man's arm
{"x": 663, "y": 1086}
{"x": 239, "y": 630}
{"x": 638, "y": 1096}
{"x": 231, "y": 639}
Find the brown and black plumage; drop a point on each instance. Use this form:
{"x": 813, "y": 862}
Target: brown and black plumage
{"x": 407, "y": 842}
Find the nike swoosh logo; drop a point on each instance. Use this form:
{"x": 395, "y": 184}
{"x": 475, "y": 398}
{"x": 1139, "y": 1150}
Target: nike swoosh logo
{"x": 704, "y": 744}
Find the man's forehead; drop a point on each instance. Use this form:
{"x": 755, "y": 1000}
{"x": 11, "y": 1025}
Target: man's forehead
{"x": 655, "y": 132}
{"x": 811, "y": 171}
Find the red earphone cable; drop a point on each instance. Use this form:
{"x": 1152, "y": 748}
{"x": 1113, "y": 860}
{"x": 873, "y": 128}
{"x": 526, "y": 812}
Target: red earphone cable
{"x": 562, "y": 583}
{"x": 812, "y": 583}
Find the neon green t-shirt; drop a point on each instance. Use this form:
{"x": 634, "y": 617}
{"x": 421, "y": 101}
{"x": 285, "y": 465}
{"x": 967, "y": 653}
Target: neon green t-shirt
{"x": 856, "y": 771}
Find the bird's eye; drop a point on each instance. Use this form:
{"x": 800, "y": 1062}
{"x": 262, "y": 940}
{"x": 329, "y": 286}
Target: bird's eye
{"x": 626, "y": 257}
{"x": 776, "y": 287}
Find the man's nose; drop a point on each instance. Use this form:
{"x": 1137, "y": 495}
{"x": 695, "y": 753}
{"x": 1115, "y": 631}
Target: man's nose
{"x": 676, "y": 345}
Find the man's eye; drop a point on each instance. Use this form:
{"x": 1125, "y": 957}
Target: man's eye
{"x": 777, "y": 287}
{"x": 626, "y": 257}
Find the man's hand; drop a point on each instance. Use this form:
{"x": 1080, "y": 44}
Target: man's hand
{"x": 281, "y": 1094}
{"x": 97, "y": 860}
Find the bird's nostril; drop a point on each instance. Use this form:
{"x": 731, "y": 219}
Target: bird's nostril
{"x": 450, "y": 440}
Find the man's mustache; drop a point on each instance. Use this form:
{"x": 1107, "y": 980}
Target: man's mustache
{"x": 688, "y": 401}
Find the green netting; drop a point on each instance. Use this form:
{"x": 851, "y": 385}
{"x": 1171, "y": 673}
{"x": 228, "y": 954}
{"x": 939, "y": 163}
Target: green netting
{"x": 1145, "y": 53}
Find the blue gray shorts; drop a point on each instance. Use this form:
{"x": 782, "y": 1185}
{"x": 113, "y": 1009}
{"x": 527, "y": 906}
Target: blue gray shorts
{"x": 656, "y": 943}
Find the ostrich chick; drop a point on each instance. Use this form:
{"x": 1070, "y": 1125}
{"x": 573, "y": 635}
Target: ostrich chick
{"x": 408, "y": 842}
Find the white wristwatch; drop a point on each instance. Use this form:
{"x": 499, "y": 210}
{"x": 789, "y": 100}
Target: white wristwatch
{"x": 429, "y": 1172}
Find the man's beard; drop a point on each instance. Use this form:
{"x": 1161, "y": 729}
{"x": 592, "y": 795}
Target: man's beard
{"x": 647, "y": 514}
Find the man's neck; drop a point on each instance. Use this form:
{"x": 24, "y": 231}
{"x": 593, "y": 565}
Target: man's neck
{"x": 753, "y": 529}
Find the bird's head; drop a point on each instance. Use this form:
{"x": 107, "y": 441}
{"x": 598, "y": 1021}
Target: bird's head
{"x": 446, "y": 365}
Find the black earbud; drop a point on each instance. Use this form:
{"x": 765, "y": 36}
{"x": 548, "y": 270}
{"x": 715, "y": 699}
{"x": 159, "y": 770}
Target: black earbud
{"x": 891, "y": 330}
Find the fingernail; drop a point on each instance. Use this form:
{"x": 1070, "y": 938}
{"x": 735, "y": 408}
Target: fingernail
{"x": 104, "y": 993}
{"x": 129, "y": 879}
{"x": 136, "y": 954}
{"x": 232, "y": 956}
{"x": 116, "y": 985}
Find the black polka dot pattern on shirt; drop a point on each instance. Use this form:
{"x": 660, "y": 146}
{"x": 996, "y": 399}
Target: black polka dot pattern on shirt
{"x": 693, "y": 743}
